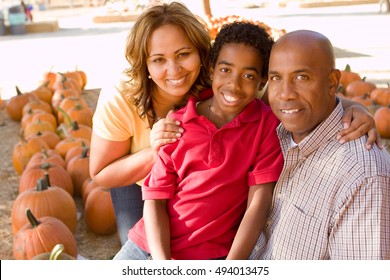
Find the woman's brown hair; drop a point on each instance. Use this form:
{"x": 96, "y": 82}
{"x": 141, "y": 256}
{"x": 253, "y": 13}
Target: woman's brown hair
{"x": 136, "y": 51}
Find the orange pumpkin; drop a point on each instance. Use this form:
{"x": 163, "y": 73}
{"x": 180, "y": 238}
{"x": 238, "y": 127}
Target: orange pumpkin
{"x": 50, "y": 137}
{"x": 64, "y": 82}
{"x": 14, "y": 106}
{"x": 24, "y": 150}
{"x": 382, "y": 121}
{"x": 40, "y": 236}
{"x": 44, "y": 92}
{"x": 81, "y": 113}
{"x": 69, "y": 142}
{"x": 34, "y": 127}
{"x": 75, "y": 151}
{"x": 88, "y": 185}
{"x": 44, "y": 200}
{"x": 347, "y": 76}
{"x": 78, "y": 169}
{"x": 99, "y": 212}
{"x": 381, "y": 96}
{"x": 49, "y": 78}
{"x": 67, "y": 104}
{"x": 46, "y": 155}
{"x": 37, "y": 104}
{"x": 58, "y": 177}
{"x": 359, "y": 88}
{"x": 38, "y": 114}
{"x": 61, "y": 94}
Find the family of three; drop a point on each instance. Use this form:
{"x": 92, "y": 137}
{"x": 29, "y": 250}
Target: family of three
{"x": 229, "y": 176}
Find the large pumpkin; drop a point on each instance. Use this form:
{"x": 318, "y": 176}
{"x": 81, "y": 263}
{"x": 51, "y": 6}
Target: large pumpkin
{"x": 78, "y": 169}
{"x": 99, "y": 212}
{"x": 44, "y": 200}
{"x": 40, "y": 236}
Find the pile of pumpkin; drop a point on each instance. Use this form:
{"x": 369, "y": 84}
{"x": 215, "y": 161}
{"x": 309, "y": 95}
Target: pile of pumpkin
{"x": 376, "y": 99}
{"x": 52, "y": 161}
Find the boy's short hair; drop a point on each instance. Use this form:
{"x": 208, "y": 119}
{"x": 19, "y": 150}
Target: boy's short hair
{"x": 247, "y": 33}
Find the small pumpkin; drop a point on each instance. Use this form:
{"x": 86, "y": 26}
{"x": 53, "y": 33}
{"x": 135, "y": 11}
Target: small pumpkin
{"x": 24, "y": 150}
{"x": 44, "y": 92}
{"x": 14, "y": 106}
{"x": 33, "y": 115}
{"x": 37, "y": 104}
{"x": 57, "y": 254}
{"x": 40, "y": 236}
{"x": 61, "y": 94}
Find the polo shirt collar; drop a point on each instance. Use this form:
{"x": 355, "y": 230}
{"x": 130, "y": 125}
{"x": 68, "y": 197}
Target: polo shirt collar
{"x": 249, "y": 114}
{"x": 323, "y": 133}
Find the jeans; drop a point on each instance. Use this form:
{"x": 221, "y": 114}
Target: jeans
{"x": 128, "y": 207}
{"x": 131, "y": 251}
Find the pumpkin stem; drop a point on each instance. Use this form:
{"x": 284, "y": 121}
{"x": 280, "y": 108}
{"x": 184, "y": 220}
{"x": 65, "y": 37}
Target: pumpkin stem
{"x": 85, "y": 151}
{"x": 56, "y": 252}
{"x": 347, "y": 68}
{"x": 43, "y": 183}
{"x": 31, "y": 218}
{"x": 75, "y": 125}
{"x": 18, "y": 92}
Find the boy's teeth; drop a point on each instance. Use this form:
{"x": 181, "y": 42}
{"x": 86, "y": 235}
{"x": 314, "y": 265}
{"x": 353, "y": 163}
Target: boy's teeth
{"x": 230, "y": 98}
{"x": 290, "y": 111}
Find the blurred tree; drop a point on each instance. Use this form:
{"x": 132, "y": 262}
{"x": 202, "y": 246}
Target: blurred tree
{"x": 207, "y": 8}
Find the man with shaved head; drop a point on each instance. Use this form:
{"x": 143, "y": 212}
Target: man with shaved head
{"x": 332, "y": 200}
